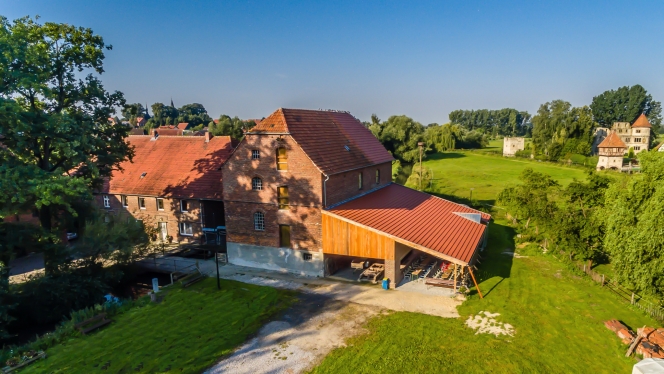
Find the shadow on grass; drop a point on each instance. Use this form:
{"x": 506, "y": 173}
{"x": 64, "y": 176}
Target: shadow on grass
{"x": 494, "y": 262}
{"x": 475, "y": 204}
{"x": 444, "y": 156}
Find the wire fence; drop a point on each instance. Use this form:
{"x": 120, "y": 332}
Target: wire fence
{"x": 654, "y": 311}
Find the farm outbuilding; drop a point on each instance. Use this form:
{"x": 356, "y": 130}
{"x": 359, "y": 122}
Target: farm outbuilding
{"x": 399, "y": 226}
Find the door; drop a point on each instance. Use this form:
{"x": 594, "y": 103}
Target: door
{"x": 284, "y": 236}
{"x": 163, "y": 231}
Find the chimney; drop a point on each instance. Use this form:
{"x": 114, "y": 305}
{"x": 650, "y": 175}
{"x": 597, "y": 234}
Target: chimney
{"x": 208, "y": 136}
{"x": 155, "y": 134}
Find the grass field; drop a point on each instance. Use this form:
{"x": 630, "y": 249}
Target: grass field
{"x": 556, "y": 314}
{"x": 455, "y": 173}
{"x": 186, "y": 333}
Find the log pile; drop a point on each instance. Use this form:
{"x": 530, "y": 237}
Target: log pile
{"x": 649, "y": 341}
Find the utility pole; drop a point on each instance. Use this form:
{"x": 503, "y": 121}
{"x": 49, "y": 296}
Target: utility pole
{"x": 217, "y": 262}
{"x": 420, "y": 145}
{"x": 471, "y": 196}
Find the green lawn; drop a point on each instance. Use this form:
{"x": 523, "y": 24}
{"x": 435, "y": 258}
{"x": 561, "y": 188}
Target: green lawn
{"x": 186, "y": 333}
{"x": 455, "y": 173}
{"x": 557, "y": 317}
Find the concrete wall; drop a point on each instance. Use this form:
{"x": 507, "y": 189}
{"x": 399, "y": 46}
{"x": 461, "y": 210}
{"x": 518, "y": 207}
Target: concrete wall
{"x": 607, "y": 162}
{"x": 512, "y": 145}
{"x": 278, "y": 259}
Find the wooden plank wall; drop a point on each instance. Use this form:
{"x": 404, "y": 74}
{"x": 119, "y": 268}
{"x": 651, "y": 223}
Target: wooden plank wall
{"x": 343, "y": 238}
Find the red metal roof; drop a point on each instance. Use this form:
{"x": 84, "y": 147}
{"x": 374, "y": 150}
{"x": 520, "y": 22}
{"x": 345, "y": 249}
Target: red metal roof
{"x": 612, "y": 141}
{"x": 334, "y": 141}
{"x": 178, "y": 166}
{"x": 642, "y": 121}
{"x": 418, "y": 218}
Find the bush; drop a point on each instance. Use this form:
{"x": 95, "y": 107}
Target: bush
{"x": 526, "y": 153}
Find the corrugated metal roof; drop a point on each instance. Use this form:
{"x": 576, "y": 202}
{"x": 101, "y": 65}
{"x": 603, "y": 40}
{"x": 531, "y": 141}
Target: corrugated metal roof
{"x": 418, "y": 218}
{"x": 334, "y": 141}
{"x": 612, "y": 141}
{"x": 177, "y": 166}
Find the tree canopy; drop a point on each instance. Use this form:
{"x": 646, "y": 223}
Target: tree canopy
{"x": 502, "y": 122}
{"x": 624, "y": 105}
{"x": 399, "y": 135}
{"x": 559, "y": 129}
{"x": 57, "y": 140}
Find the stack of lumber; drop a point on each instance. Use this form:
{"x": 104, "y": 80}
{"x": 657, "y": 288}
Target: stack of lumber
{"x": 649, "y": 341}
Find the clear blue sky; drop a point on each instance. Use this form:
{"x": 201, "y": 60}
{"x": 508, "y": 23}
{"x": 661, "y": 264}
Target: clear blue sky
{"x": 422, "y": 59}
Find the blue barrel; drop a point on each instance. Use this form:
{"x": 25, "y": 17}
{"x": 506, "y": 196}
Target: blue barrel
{"x": 386, "y": 284}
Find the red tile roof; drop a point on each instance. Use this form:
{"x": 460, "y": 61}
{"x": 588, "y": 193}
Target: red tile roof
{"x": 182, "y": 125}
{"x": 642, "y": 121}
{"x": 612, "y": 141}
{"x": 419, "y": 218}
{"x": 178, "y": 166}
{"x": 167, "y": 131}
{"x": 324, "y": 135}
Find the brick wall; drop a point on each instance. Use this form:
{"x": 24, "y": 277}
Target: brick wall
{"x": 151, "y": 215}
{"x": 304, "y": 183}
{"x": 346, "y": 185}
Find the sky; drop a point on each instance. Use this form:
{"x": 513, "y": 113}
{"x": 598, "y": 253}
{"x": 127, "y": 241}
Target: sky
{"x": 418, "y": 58}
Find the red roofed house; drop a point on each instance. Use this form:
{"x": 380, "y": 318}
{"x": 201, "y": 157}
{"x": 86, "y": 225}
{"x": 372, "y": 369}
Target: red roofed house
{"x": 611, "y": 151}
{"x": 636, "y": 135}
{"x": 174, "y": 184}
{"x": 310, "y": 191}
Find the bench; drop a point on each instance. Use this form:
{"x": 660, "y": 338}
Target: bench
{"x": 92, "y": 323}
{"x": 191, "y": 278}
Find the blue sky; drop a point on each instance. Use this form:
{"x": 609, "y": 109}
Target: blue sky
{"x": 422, "y": 59}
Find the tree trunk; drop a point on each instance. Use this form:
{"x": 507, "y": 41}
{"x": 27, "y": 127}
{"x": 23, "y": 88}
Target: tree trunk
{"x": 46, "y": 221}
{"x": 590, "y": 263}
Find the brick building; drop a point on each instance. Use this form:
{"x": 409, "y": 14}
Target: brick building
{"x": 173, "y": 184}
{"x": 281, "y": 176}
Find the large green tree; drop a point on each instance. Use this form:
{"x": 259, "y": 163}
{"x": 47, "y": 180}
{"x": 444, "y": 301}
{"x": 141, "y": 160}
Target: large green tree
{"x": 399, "y": 135}
{"x": 624, "y": 105}
{"x": 560, "y": 129}
{"x": 58, "y": 144}
{"x": 634, "y": 216}
{"x": 502, "y": 122}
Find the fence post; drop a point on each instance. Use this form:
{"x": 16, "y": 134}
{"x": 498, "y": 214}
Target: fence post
{"x": 584, "y": 268}
{"x": 632, "y": 298}
{"x": 602, "y": 280}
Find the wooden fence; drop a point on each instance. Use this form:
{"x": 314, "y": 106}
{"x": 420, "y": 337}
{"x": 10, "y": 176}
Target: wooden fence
{"x": 624, "y": 294}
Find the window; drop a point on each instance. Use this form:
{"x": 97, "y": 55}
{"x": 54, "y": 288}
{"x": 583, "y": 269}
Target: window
{"x": 125, "y": 202}
{"x": 184, "y": 205}
{"x": 360, "y": 180}
{"x": 307, "y": 256}
{"x": 259, "y": 221}
{"x": 282, "y": 196}
{"x": 141, "y": 202}
{"x": 638, "y": 131}
{"x": 256, "y": 184}
{"x": 637, "y": 140}
{"x": 620, "y": 131}
{"x": 107, "y": 201}
{"x": 255, "y": 154}
{"x": 637, "y": 148}
{"x": 160, "y": 204}
{"x": 626, "y": 140}
{"x": 186, "y": 229}
{"x": 377, "y": 176}
{"x": 282, "y": 159}
{"x": 284, "y": 236}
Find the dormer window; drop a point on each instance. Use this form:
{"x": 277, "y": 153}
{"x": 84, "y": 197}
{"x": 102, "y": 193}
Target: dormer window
{"x": 347, "y": 148}
{"x": 282, "y": 159}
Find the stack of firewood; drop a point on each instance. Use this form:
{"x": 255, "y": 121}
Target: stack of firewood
{"x": 648, "y": 341}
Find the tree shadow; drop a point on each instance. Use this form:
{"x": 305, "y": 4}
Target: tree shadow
{"x": 444, "y": 156}
{"x": 497, "y": 258}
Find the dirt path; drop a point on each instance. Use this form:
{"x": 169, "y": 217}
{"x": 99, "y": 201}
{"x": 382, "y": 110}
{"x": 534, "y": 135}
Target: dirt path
{"x": 300, "y": 339}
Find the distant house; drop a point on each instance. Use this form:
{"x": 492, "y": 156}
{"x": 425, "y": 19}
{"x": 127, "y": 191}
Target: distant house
{"x": 635, "y": 136}
{"x": 174, "y": 184}
{"x": 512, "y": 145}
{"x": 182, "y": 125}
{"x": 136, "y": 131}
{"x": 611, "y": 151}
{"x": 140, "y": 121}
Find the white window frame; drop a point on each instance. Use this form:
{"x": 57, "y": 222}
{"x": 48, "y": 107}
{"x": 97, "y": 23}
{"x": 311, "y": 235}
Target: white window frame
{"x": 256, "y": 184}
{"x": 181, "y": 208}
{"x": 259, "y": 221}
{"x": 255, "y": 154}
{"x": 124, "y": 201}
{"x": 107, "y": 201}
{"x": 162, "y": 204}
{"x": 141, "y": 200}
{"x": 183, "y": 229}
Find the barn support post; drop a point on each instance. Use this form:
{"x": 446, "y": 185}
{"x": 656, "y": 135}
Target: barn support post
{"x": 470, "y": 270}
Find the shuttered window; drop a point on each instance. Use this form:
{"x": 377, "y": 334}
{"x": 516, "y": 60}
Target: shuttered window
{"x": 282, "y": 159}
{"x": 284, "y": 236}
{"x": 282, "y": 196}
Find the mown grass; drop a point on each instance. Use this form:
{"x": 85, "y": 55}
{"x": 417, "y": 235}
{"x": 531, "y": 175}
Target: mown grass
{"x": 455, "y": 173}
{"x": 557, "y": 316}
{"x": 186, "y": 333}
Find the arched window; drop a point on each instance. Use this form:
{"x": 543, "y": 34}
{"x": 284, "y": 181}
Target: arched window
{"x": 377, "y": 176}
{"x": 256, "y": 184}
{"x": 259, "y": 221}
{"x": 282, "y": 159}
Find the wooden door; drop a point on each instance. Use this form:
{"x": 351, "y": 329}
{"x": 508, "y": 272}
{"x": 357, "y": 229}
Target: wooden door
{"x": 284, "y": 236}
